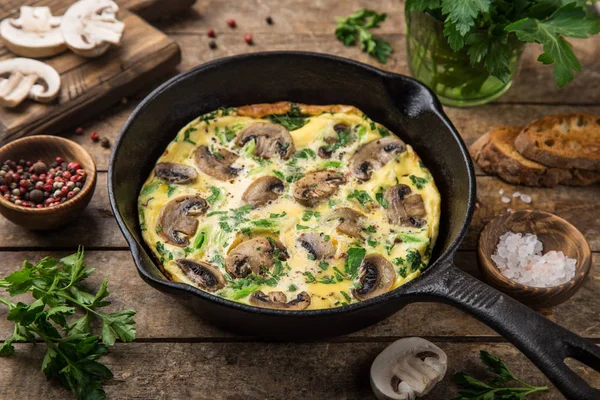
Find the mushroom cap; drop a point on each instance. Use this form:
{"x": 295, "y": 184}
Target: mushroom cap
{"x": 271, "y": 140}
{"x": 36, "y": 33}
{"x": 252, "y": 255}
{"x": 24, "y": 73}
{"x": 349, "y": 221}
{"x": 202, "y": 274}
{"x": 404, "y": 207}
{"x": 175, "y": 173}
{"x": 89, "y": 27}
{"x": 374, "y": 155}
{"x": 407, "y": 367}
{"x": 316, "y": 245}
{"x": 263, "y": 190}
{"x": 177, "y": 220}
{"x": 377, "y": 277}
{"x": 278, "y": 300}
{"x": 317, "y": 186}
{"x": 218, "y": 164}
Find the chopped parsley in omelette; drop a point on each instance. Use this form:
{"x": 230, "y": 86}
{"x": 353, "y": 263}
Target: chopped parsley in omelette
{"x": 290, "y": 206}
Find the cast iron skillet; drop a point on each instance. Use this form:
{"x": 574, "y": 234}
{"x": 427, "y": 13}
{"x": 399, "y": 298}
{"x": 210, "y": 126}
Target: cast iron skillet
{"x": 406, "y": 107}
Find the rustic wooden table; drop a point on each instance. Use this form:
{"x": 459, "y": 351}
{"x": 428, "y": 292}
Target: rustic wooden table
{"x": 179, "y": 356}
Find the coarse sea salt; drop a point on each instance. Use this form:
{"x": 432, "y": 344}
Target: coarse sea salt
{"x": 519, "y": 258}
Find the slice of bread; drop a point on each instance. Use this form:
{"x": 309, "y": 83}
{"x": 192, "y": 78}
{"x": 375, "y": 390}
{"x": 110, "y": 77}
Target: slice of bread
{"x": 563, "y": 141}
{"x": 495, "y": 153}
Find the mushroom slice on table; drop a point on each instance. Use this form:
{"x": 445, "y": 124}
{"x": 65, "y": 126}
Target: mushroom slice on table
{"x": 316, "y": 245}
{"x": 89, "y": 27}
{"x": 176, "y": 219}
{"x": 377, "y": 277}
{"x": 278, "y": 300}
{"x": 375, "y": 155}
{"x": 317, "y": 186}
{"x": 175, "y": 173}
{"x": 271, "y": 140}
{"x": 349, "y": 221}
{"x": 202, "y": 274}
{"x": 263, "y": 190}
{"x": 217, "y": 164}
{"x": 21, "y": 78}
{"x": 36, "y": 33}
{"x": 404, "y": 207}
{"x": 252, "y": 255}
{"x": 407, "y": 368}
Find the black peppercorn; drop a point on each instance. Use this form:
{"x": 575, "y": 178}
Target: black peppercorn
{"x": 212, "y": 44}
{"x": 269, "y": 20}
{"x": 105, "y": 143}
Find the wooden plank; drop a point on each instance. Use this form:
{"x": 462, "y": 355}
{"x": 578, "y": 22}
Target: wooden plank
{"x": 314, "y": 31}
{"x": 253, "y": 371}
{"x": 152, "y": 10}
{"x": 158, "y": 314}
{"x": 97, "y": 228}
{"x": 91, "y": 85}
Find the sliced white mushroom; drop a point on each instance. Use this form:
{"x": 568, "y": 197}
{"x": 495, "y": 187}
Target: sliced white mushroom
{"x": 407, "y": 368}
{"x": 89, "y": 27}
{"x": 36, "y": 33}
{"x": 21, "y": 78}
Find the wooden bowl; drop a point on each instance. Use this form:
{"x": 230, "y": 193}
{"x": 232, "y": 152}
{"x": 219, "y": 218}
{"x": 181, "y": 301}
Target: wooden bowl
{"x": 555, "y": 233}
{"x": 47, "y": 148}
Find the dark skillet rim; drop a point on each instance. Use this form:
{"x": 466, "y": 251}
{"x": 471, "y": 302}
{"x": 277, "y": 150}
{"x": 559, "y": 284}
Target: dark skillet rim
{"x": 444, "y": 259}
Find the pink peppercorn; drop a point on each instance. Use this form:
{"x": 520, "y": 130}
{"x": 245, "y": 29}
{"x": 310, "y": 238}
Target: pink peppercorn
{"x": 23, "y": 183}
{"x": 79, "y": 131}
{"x": 70, "y": 195}
{"x": 248, "y": 39}
{"x": 211, "y": 33}
{"x": 66, "y": 175}
{"x": 59, "y": 160}
{"x": 74, "y": 165}
{"x": 231, "y": 23}
{"x": 95, "y": 137}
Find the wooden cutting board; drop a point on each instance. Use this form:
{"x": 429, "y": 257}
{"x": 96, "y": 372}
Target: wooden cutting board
{"x": 90, "y": 85}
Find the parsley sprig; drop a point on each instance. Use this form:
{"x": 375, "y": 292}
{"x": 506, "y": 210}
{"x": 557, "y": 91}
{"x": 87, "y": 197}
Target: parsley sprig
{"x": 485, "y": 29}
{"x": 72, "y": 350}
{"x": 474, "y": 389}
{"x": 356, "y": 27}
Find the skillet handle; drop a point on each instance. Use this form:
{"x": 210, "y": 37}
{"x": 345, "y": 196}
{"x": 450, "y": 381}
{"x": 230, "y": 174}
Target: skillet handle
{"x": 545, "y": 343}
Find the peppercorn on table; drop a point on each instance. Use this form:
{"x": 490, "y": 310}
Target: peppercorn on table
{"x": 177, "y": 355}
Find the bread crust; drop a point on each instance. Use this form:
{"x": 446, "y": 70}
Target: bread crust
{"x": 495, "y": 153}
{"x": 563, "y": 141}
{"x": 283, "y": 107}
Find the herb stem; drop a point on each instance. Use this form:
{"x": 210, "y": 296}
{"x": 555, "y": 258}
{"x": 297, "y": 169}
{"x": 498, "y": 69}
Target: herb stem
{"x": 8, "y": 303}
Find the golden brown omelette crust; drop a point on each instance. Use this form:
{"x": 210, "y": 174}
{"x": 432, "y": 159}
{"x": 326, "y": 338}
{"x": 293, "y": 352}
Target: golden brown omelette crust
{"x": 283, "y": 107}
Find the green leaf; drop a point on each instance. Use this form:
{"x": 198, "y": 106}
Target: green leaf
{"x": 80, "y": 326}
{"x": 422, "y": 5}
{"x": 7, "y": 348}
{"x": 497, "y": 366}
{"x": 361, "y": 196}
{"x": 569, "y": 20}
{"x": 463, "y": 13}
{"x": 355, "y": 28}
{"x": 108, "y": 335}
{"x": 464, "y": 380}
{"x": 122, "y": 324}
{"x": 101, "y": 295}
{"x": 60, "y": 314}
{"x": 354, "y": 258}
{"x": 292, "y": 120}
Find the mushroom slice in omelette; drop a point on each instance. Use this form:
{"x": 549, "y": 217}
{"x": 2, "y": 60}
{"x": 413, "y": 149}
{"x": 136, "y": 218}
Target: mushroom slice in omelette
{"x": 290, "y": 206}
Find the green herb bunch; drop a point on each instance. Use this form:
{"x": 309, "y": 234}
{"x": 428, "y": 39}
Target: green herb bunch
{"x": 72, "y": 351}
{"x": 474, "y": 389}
{"x": 485, "y": 28}
{"x": 356, "y": 28}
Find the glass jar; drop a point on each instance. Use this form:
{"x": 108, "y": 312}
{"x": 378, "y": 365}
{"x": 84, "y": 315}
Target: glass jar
{"x": 447, "y": 72}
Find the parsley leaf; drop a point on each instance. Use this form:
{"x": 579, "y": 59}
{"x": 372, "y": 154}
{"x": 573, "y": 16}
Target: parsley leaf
{"x": 353, "y": 260}
{"x": 356, "y": 27}
{"x": 361, "y": 196}
{"x": 474, "y": 389}
{"x": 71, "y": 349}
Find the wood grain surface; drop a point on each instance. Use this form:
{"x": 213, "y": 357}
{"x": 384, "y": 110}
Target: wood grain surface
{"x": 91, "y": 85}
{"x": 179, "y": 356}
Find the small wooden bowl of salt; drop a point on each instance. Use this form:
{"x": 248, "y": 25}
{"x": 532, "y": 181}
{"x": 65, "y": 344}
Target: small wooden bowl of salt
{"x": 514, "y": 261}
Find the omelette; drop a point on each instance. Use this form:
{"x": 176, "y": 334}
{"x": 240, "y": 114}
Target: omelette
{"x": 290, "y": 206}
